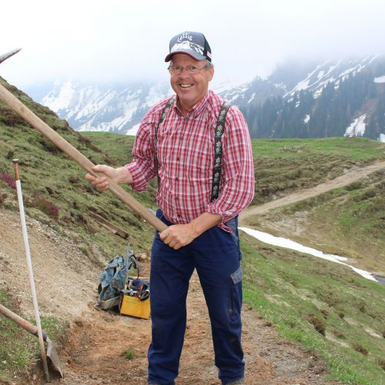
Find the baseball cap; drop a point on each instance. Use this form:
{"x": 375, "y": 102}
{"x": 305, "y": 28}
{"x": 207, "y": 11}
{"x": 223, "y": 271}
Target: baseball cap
{"x": 190, "y": 43}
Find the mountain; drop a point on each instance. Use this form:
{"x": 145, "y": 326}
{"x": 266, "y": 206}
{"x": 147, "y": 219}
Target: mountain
{"x": 113, "y": 107}
{"x": 298, "y": 100}
{"x": 344, "y": 98}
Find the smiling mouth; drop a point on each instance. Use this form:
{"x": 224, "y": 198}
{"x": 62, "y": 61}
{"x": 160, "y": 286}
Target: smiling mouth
{"x": 186, "y": 85}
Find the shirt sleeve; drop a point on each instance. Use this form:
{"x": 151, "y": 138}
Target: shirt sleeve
{"x": 143, "y": 165}
{"x": 237, "y": 184}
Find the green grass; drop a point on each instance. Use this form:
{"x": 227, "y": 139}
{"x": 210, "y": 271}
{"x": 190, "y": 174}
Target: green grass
{"x": 129, "y": 354}
{"x": 283, "y": 166}
{"x": 360, "y": 149}
{"x": 325, "y": 307}
{"x": 19, "y": 350}
{"x": 116, "y": 146}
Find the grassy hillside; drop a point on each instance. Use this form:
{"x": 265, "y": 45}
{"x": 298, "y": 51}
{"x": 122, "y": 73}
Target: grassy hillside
{"x": 325, "y": 307}
{"x": 54, "y": 188}
{"x": 348, "y": 221}
{"x": 286, "y": 165}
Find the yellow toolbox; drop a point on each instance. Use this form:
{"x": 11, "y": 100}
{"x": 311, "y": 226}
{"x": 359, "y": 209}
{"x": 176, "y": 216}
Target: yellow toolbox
{"x": 134, "y": 307}
{"x": 135, "y": 298}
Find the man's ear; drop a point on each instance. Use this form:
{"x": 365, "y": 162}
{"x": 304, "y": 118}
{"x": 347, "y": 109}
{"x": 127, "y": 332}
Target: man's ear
{"x": 211, "y": 73}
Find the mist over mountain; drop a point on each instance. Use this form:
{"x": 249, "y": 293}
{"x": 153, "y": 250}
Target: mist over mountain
{"x": 298, "y": 100}
{"x": 344, "y": 98}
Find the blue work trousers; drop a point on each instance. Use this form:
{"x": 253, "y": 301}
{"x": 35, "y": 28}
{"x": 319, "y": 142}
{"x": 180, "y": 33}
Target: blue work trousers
{"x": 216, "y": 257}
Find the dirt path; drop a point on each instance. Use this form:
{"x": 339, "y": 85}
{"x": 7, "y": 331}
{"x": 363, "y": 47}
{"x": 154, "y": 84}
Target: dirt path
{"x": 93, "y": 354}
{"x": 343, "y": 180}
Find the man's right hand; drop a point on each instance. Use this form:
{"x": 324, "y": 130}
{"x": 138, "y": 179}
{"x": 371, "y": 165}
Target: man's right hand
{"x": 119, "y": 175}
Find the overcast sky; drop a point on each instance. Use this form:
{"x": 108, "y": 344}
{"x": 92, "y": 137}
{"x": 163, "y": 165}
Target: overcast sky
{"x": 127, "y": 40}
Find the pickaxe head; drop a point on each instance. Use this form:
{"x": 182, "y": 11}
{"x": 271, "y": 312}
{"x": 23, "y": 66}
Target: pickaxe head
{"x": 9, "y": 54}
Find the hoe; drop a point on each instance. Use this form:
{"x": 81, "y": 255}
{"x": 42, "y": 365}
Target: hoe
{"x": 15, "y": 104}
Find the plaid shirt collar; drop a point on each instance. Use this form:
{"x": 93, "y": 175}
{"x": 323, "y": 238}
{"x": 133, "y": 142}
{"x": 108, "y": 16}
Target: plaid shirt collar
{"x": 197, "y": 109}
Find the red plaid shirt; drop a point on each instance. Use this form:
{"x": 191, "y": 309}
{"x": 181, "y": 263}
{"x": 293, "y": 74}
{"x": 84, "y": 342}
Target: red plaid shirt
{"x": 185, "y": 152}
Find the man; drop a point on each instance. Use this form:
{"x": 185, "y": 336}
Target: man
{"x": 180, "y": 149}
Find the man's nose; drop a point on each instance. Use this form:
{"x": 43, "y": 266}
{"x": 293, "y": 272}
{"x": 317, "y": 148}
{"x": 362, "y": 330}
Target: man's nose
{"x": 184, "y": 72}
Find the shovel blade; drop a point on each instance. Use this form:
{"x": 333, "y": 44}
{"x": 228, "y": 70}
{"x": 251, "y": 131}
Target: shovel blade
{"x": 51, "y": 350}
{"x": 53, "y": 356}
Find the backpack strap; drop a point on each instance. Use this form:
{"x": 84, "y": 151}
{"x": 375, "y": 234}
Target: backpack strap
{"x": 219, "y": 130}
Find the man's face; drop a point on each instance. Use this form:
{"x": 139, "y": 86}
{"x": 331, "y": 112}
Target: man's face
{"x": 190, "y": 88}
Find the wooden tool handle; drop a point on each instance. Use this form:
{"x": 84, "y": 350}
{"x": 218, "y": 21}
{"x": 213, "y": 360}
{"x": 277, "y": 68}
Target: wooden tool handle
{"x": 78, "y": 157}
{"x": 20, "y": 321}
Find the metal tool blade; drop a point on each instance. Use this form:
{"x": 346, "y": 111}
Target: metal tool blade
{"x": 9, "y": 54}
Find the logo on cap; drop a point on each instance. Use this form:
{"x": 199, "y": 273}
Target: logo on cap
{"x": 190, "y": 43}
{"x": 187, "y": 45}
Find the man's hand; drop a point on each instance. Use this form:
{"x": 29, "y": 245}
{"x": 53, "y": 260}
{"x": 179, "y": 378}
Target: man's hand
{"x": 177, "y": 236}
{"x": 119, "y": 175}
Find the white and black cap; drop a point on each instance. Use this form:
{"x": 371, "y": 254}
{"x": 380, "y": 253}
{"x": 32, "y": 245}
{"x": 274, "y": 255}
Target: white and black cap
{"x": 190, "y": 43}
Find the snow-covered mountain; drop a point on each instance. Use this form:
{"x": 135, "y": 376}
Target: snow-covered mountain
{"x": 285, "y": 104}
{"x": 115, "y": 108}
{"x": 340, "y": 98}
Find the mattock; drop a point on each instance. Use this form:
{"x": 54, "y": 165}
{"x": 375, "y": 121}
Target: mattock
{"x": 73, "y": 153}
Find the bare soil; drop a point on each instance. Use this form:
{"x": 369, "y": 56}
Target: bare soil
{"x": 93, "y": 352}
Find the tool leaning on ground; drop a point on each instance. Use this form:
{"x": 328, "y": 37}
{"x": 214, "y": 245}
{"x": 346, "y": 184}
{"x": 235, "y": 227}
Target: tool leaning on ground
{"x": 73, "y": 153}
{"x": 30, "y": 270}
{"x": 51, "y": 351}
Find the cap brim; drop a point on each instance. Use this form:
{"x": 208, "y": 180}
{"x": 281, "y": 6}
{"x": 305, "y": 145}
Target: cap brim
{"x": 194, "y": 55}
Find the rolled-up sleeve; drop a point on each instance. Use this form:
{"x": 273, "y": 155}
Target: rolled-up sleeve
{"x": 237, "y": 186}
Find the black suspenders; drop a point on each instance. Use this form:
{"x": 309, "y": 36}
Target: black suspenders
{"x": 219, "y": 130}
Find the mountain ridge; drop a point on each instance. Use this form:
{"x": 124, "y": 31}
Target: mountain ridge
{"x": 297, "y": 100}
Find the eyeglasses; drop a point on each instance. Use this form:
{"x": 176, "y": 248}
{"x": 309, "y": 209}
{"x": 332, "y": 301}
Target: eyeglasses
{"x": 191, "y": 70}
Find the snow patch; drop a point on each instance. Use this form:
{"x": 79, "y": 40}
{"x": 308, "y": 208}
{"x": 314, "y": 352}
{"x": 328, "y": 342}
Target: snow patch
{"x": 380, "y": 79}
{"x": 252, "y": 97}
{"x": 134, "y": 130}
{"x": 287, "y": 243}
{"x": 61, "y": 100}
{"x": 357, "y": 128}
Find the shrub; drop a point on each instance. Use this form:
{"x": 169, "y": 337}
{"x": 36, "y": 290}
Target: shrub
{"x": 354, "y": 186}
{"x": 317, "y": 323}
{"x": 360, "y": 349}
{"x": 8, "y": 179}
{"x": 73, "y": 179}
{"x": 3, "y": 197}
{"x": 45, "y": 206}
{"x": 129, "y": 354}
{"x": 325, "y": 313}
{"x": 381, "y": 362}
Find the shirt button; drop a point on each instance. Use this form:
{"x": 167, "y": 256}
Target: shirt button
{"x": 176, "y": 198}
{"x": 176, "y": 179}
{"x": 177, "y": 158}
